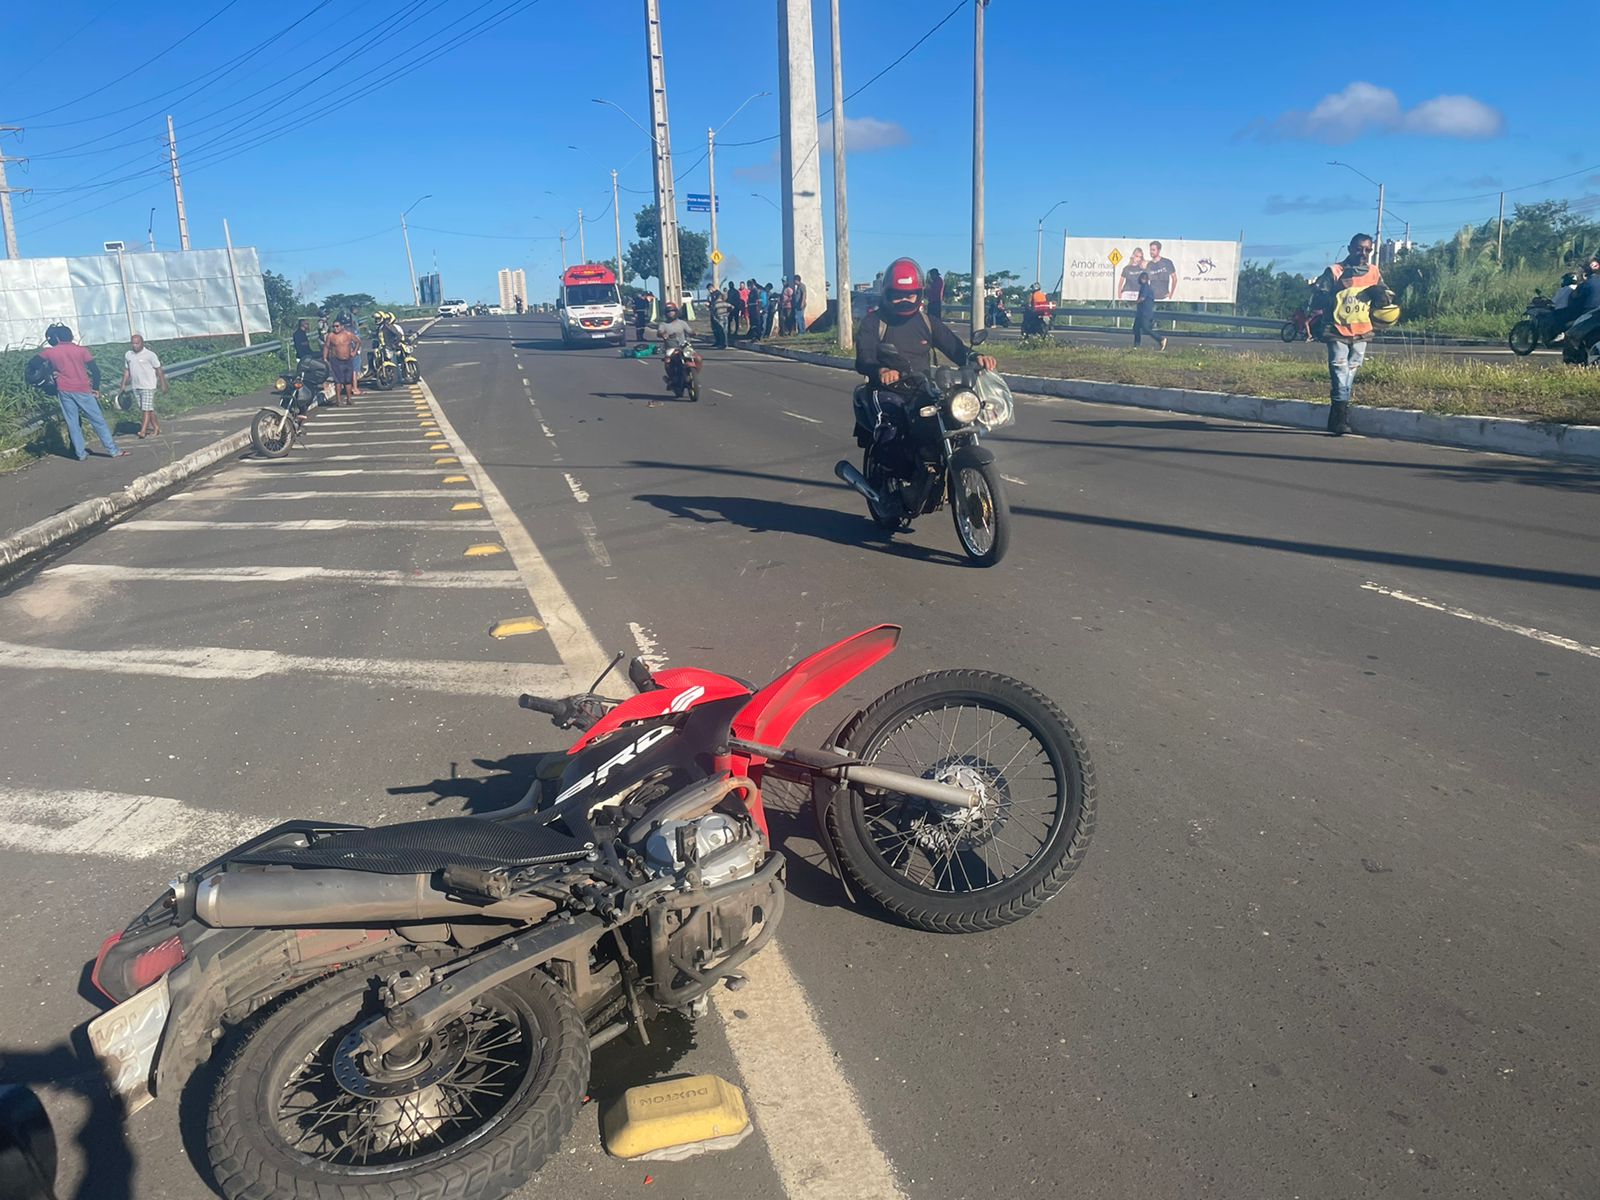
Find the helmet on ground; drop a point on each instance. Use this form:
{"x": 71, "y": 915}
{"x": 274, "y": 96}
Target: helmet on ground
{"x": 902, "y": 287}
{"x": 1385, "y": 315}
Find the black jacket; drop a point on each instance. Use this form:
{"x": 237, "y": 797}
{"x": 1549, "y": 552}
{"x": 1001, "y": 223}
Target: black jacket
{"x": 302, "y": 344}
{"x": 1585, "y": 297}
{"x": 916, "y": 337}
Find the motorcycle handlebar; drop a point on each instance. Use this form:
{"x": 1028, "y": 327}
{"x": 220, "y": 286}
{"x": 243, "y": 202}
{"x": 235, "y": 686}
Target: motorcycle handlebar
{"x": 553, "y": 708}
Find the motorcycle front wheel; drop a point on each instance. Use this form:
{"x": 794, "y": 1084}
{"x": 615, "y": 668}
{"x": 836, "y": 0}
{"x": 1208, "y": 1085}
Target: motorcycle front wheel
{"x": 959, "y": 870}
{"x": 385, "y": 378}
{"x": 1290, "y": 332}
{"x": 1523, "y": 338}
{"x": 413, "y": 373}
{"x": 272, "y": 432}
{"x": 978, "y": 507}
{"x": 474, "y": 1112}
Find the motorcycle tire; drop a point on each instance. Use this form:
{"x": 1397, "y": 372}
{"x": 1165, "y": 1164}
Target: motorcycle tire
{"x": 1290, "y": 332}
{"x": 979, "y": 510}
{"x": 262, "y": 1144}
{"x": 881, "y": 481}
{"x": 872, "y": 830}
{"x": 385, "y": 379}
{"x": 413, "y": 373}
{"x": 1523, "y": 338}
{"x": 694, "y": 391}
{"x": 272, "y": 433}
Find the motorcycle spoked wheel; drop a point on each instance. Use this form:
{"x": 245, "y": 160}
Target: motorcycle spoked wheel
{"x": 386, "y": 377}
{"x": 978, "y": 508}
{"x": 413, "y": 372}
{"x": 959, "y": 870}
{"x": 1523, "y": 339}
{"x": 272, "y": 433}
{"x": 694, "y": 389}
{"x": 483, "y": 1107}
{"x": 1289, "y": 332}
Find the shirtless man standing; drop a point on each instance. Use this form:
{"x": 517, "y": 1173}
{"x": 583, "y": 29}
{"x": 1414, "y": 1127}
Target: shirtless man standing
{"x": 339, "y": 352}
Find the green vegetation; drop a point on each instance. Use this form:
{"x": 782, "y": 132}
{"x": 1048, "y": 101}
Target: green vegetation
{"x": 1391, "y": 378}
{"x": 643, "y": 259}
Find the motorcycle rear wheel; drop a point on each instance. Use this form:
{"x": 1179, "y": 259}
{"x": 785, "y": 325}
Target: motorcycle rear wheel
{"x": 1290, "y": 332}
{"x": 272, "y": 433}
{"x": 488, "y": 1102}
{"x": 1523, "y": 338}
{"x": 949, "y": 870}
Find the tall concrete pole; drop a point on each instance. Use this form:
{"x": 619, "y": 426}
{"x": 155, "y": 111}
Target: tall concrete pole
{"x": 563, "y": 236}
{"x": 1500, "y": 239}
{"x": 803, "y": 252}
{"x": 411, "y": 268}
{"x": 671, "y": 269}
{"x": 841, "y": 209}
{"x": 616, "y": 214}
{"x": 177, "y": 190}
{"x": 6, "y": 191}
{"x": 979, "y": 276}
{"x": 711, "y": 171}
{"x": 583, "y": 253}
{"x": 1378, "y": 249}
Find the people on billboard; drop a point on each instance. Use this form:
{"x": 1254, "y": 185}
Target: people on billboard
{"x": 1128, "y": 289}
{"x": 1163, "y": 273}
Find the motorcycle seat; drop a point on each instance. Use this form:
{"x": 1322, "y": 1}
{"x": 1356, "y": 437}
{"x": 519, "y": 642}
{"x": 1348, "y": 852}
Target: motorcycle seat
{"x": 423, "y": 847}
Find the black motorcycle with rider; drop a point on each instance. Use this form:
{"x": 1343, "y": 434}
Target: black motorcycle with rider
{"x": 920, "y": 427}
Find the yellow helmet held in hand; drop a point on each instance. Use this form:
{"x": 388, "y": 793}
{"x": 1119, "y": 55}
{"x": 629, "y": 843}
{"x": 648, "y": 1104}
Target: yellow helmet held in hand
{"x": 1385, "y": 315}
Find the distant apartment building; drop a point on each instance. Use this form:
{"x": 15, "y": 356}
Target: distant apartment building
{"x": 512, "y": 285}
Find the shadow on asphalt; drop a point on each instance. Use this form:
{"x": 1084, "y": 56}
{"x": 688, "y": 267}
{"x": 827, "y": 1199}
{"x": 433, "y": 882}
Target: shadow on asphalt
{"x": 1184, "y": 424}
{"x": 659, "y": 397}
{"x": 108, "y": 1160}
{"x": 481, "y": 795}
{"x": 776, "y": 516}
{"x": 1425, "y": 562}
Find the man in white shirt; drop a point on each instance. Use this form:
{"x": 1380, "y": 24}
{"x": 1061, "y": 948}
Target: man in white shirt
{"x": 141, "y": 371}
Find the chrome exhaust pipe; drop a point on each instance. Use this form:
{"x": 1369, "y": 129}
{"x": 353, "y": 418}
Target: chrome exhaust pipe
{"x": 857, "y": 480}
{"x": 293, "y": 898}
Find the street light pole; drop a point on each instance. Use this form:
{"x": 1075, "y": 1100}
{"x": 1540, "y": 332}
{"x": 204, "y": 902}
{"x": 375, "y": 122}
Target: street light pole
{"x": 411, "y": 268}
{"x": 844, "y": 313}
{"x": 1378, "y": 234}
{"x": 711, "y": 171}
{"x": 1038, "y": 253}
{"x": 583, "y": 254}
{"x": 979, "y": 278}
{"x": 616, "y": 214}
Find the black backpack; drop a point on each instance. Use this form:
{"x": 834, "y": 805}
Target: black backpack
{"x": 40, "y": 374}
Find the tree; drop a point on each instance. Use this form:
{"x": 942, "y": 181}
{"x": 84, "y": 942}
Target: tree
{"x": 284, "y": 302}
{"x": 643, "y": 259}
{"x": 340, "y": 301}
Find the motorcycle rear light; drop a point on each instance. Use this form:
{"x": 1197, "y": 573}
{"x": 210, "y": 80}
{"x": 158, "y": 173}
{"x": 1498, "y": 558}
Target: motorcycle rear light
{"x": 99, "y": 961}
{"x": 155, "y": 962}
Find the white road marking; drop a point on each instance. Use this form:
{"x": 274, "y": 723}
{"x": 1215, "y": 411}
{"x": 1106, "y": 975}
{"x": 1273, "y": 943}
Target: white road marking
{"x": 1013, "y": 479}
{"x": 417, "y": 579}
{"x": 223, "y": 662}
{"x": 646, "y": 641}
{"x": 578, "y": 494}
{"x": 799, "y": 417}
{"x": 546, "y": 430}
{"x": 118, "y": 825}
{"x": 1527, "y": 631}
{"x": 449, "y": 366}
{"x": 525, "y": 382}
{"x": 563, "y": 622}
{"x": 341, "y": 472}
{"x": 720, "y": 392}
{"x": 282, "y": 465}
{"x": 316, "y": 444}
{"x": 591, "y": 535}
{"x": 812, "y": 1120}
{"x": 396, "y": 494}
{"x": 310, "y": 525}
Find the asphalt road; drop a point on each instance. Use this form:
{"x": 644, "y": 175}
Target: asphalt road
{"x": 1334, "y": 937}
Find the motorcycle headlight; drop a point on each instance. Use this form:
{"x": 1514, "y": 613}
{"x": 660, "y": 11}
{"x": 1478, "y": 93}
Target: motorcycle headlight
{"x": 964, "y": 407}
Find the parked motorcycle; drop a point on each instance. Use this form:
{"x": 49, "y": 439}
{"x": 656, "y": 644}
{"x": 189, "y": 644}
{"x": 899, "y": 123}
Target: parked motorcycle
{"x": 1581, "y": 345}
{"x": 682, "y": 371}
{"x": 929, "y": 446}
{"x": 411, "y": 1008}
{"x": 276, "y": 426}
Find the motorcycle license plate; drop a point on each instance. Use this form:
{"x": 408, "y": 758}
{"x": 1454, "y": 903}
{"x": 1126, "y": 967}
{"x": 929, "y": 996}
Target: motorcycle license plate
{"x": 125, "y": 1041}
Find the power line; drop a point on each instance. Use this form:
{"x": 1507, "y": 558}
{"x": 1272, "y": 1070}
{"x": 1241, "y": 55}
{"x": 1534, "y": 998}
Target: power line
{"x": 1521, "y": 187}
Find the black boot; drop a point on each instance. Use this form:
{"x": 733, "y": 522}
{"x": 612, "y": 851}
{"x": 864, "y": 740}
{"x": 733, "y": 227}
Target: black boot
{"x": 1339, "y": 417}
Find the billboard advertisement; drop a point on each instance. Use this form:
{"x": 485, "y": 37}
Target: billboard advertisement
{"x": 1192, "y": 272}
{"x": 187, "y": 293}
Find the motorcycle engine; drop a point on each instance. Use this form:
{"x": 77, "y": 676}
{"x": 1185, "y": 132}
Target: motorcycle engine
{"x": 711, "y": 850}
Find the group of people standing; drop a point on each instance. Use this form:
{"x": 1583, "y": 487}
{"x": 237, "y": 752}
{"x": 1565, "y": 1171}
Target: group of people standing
{"x": 757, "y": 310}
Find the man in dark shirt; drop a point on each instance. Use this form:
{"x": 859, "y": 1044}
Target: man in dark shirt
{"x": 302, "y": 340}
{"x": 899, "y": 321}
{"x": 1163, "y": 274}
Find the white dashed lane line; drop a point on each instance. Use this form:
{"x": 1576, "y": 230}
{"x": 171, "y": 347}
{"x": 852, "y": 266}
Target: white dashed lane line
{"x": 799, "y": 417}
{"x": 1527, "y": 631}
{"x": 578, "y": 494}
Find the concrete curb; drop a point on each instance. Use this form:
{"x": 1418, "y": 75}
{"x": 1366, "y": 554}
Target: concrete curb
{"x": 1500, "y": 435}
{"x": 41, "y": 535}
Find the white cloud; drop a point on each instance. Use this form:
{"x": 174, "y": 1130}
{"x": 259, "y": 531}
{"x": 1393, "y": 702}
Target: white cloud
{"x": 1454, "y": 116}
{"x": 862, "y": 135}
{"x": 1363, "y": 108}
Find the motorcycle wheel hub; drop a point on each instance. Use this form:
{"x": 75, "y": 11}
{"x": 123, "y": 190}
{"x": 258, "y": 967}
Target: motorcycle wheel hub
{"x": 949, "y": 827}
{"x": 397, "y": 1075}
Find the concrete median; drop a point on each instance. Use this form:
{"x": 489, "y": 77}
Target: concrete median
{"x": 1500, "y": 435}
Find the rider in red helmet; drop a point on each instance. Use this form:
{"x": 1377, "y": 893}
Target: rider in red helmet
{"x": 900, "y": 321}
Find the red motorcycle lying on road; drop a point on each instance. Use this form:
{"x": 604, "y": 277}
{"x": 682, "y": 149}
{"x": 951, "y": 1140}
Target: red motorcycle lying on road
{"x": 682, "y": 371}
{"x": 409, "y": 1010}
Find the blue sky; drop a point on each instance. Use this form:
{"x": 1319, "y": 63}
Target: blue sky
{"x": 1164, "y": 120}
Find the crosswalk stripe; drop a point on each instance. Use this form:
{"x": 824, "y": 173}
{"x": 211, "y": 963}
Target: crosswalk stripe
{"x": 311, "y": 525}
{"x": 118, "y": 825}
{"x": 412, "y": 579}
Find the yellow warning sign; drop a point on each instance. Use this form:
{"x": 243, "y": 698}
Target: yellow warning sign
{"x": 716, "y": 257}
{"x": 1114, "y": 257}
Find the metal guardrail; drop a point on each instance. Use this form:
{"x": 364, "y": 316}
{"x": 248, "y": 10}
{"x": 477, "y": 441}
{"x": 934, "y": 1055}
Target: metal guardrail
{"x": 186, "y": 367}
